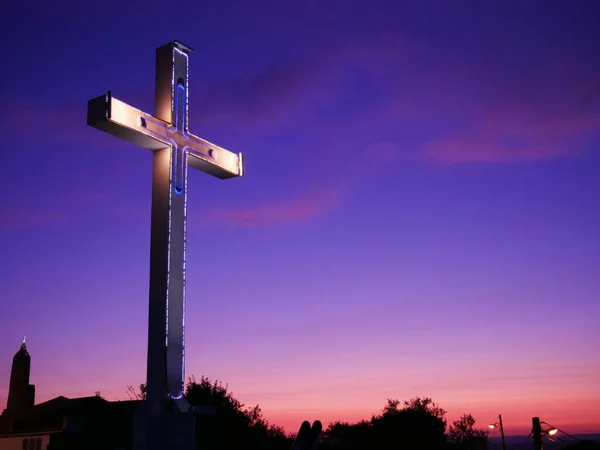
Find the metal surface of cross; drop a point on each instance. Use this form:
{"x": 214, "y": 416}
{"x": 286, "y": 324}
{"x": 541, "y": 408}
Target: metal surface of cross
{"x": 174, "y": 149}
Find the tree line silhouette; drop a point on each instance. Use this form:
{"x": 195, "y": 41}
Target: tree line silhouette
{"x": 412, "y": 424}
{"x": 418, "y": 423}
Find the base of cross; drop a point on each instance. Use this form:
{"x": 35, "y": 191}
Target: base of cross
{"x": 167, "y": 425}
{"x": 172, "y": 426}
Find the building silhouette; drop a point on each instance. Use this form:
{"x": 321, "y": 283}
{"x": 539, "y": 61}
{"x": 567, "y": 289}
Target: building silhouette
{"x": 21, "y": 394}
{"x": 61, "y": 423}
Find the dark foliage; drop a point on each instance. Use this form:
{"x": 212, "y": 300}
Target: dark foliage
{"x": 233, "y": 426}
{"x": 463, "y": 436}
{"x": 418, "y": 423}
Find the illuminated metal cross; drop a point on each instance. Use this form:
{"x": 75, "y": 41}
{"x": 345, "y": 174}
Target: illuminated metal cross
{"x": 166, "y": 134}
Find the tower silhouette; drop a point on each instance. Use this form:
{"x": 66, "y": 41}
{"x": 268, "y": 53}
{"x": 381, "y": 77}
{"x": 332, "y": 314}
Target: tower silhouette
{"x": 21, "y": 394}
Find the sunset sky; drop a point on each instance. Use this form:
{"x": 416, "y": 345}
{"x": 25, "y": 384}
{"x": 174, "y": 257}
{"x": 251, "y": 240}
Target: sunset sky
{"x": 420, "y": 214}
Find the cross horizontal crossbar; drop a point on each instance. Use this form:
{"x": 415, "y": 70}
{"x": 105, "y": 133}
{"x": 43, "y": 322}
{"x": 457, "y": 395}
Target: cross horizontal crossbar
{"x": 108, "y": 114}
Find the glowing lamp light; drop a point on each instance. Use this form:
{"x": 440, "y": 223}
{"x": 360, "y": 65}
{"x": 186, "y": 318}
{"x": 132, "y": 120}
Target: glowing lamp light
{"x": 552, "y": 431}
{"x": 492, "y": 425}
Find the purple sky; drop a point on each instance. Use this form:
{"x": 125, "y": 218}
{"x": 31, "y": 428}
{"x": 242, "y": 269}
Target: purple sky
{"x": 420, "y": 213}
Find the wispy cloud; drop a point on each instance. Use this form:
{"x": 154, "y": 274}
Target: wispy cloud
{"x": 457, "y": 150}
{"x": 496, "y": 108}
{"x": 333, "y": 178}
{"x": 464, "y": 114}
{"x": 262, "y": 99}
{"x": 361, "y": 105}
{"x": 301, "y": 209}
{"x": 16, "y": 220}
{"x": 516, "y": 134}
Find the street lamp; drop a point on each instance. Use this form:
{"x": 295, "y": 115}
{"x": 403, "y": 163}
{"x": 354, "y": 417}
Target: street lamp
{"x": 554, "y": 430}
{"x": 499, "y": 425}
{"x": 538, "y": 433}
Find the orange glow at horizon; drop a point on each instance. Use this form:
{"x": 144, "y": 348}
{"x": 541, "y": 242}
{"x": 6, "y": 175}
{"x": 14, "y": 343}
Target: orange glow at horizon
{"x": 575, "y": 415}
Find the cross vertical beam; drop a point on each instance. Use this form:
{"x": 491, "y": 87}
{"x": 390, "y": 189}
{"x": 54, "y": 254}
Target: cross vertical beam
{"x": 164, "y": 420}
{"x": 166, "y": 318}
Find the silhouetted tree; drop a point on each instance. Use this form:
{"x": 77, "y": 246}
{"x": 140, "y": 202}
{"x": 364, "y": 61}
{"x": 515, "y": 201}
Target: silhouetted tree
{"x": 133, "y": 395}
{"x": 463, "y": 436}
{"x": 426, "y": 406}
{"x": 337, "y": 435}
{"x": 143, "y": 391}
{"x": 343, "y": 435}
{"x": 232, "y": 426}
{"x": 420, "y": 423}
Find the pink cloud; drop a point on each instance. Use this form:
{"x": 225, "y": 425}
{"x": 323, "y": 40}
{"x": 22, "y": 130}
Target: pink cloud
{"x": 486, "y": 117}
{"x": 32, "y": 219}
{"x": 548, "y": 104}
{"x": 527, "y": 122}
{"x": 300, "y": 209}
{"x": 517, "y": 135}
{"x": 457, "y": 150}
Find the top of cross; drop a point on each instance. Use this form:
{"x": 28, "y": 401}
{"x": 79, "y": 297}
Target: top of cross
{"x": 168, "y": 126}
{"x": 181, "y": 46}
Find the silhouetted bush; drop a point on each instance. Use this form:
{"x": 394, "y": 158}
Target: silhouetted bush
{"x": 418, "y": 423}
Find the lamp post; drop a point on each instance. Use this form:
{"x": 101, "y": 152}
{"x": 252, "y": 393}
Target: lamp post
{"x": 499, "y": 425}
{"x": 537, "y": 434}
